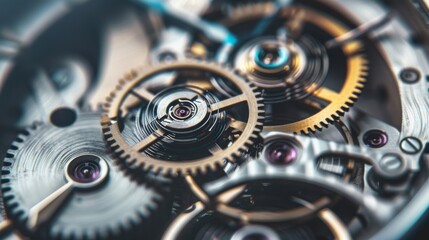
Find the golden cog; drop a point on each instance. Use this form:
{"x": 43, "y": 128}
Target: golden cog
{"x": 357, "y": 65}
{"x": 134, "y": 154}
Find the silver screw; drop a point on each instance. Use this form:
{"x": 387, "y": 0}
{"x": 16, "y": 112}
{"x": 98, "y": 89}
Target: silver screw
{"x": 391, "y": 163}
{"x": 411, "y": 145}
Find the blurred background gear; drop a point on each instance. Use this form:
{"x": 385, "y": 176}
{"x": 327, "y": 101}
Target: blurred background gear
{"x": 35, "y": 168}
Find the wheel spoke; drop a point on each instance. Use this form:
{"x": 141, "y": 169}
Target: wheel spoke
{"x": 145, "y": 143}
{"x": 228, "y": 103}
{"x": 326, "y": 94}
{"x": 143, "y": 93}
{"x": 200, "y": 84}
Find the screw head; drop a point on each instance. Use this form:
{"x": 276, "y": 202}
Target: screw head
{"x": 391, "y": 163}
{"x": 410, "y": 75}
{"x": 411, "y": 145}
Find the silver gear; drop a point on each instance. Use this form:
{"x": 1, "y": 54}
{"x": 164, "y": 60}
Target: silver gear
{"x": 34, "y": 168}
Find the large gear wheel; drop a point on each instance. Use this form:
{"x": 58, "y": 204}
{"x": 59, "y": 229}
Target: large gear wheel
{"x": 301, "y": 79}
{"x": 34, "y": 169}
{"x": 180, "y": 124}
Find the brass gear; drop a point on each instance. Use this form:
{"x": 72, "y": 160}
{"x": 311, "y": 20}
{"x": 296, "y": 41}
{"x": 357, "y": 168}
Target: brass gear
{"x": 134, "y": 155}
{"x": 357, "y": 65}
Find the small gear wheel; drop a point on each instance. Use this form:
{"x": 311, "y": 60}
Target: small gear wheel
{"x": 177, "y": 123}
{"x": 35, "y": 168}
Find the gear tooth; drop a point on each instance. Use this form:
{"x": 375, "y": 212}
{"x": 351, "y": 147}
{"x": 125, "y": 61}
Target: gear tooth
{"x": 246, "y": 146}
{"x": 115, "y": 146}
{"x": 5, "y": 170}
{"x": 163, "y": 171}
{"x": 236, "y": 156}
{"x": 113, "y": 94}
{"x": 346, "y": 105}
{"x": 10, "y": 153}
{"x": 319, "y": 128}
{"x": 215, "y": 166}
{"x": 107, "y": 135}
{"x": 141, "y": 165}
{"x": 313, "y": 129}
{"x": 7, "y": 162}
{"x": 130, "y": 161}
{"x": 105, "y": 120}
{"x": 5, "y": 181}
{"x": 360, "y": 85}
{"x": 18, "y": 212}
{"x": 337, "y": 116}
{"x": 324, "y": 124}
{"x": 330, "y": 120}
{"x": 125, "y": 155}
{"x": 204, "y": 169}
{"x": 344, "y": 109}
{"x": 19, "y": 140}
{"x": 363, "y": 76}
{"x": 230, "y": 159}
{"x": 305, "y": 131}
{"x": 352, "y": 99}
{"x": 218, "y": 165}
{"x": 253, "y": 136}
{"x": 106, "y": 107}
{"x": 122, "y": 81}
{"x": 357, "y": 92}
{"x": 7, "y": 194}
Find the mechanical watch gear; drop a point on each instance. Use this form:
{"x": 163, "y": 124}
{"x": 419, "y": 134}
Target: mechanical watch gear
{"x": 34, "y": 169}
{"x": 180, "y": 124}
{"x": 286, "y": 56}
